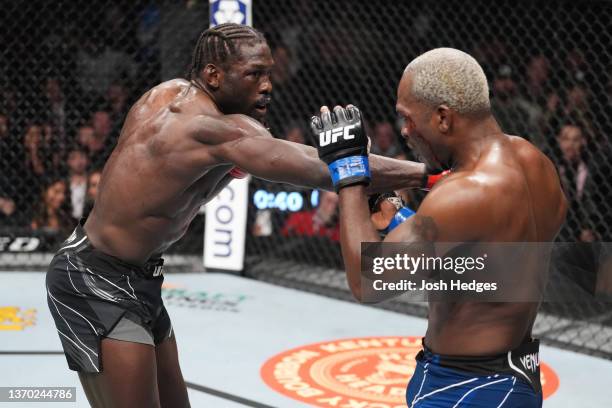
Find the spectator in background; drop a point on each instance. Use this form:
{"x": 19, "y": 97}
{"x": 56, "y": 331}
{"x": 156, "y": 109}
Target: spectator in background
{"x": 98, "y": 66}
{"x": 52, "y": 214}
{"x": 41, "y": 155}
{"x": 322, "y": 221}
{"x": 508, "y": 107}
{"x": 117, "y": 104}
{"x": 93, "y": 180}
{"x": 537, "y": 91}
{"x": 77, "y": 180}
{"x": 603, "y": 163}
{"x": 536, "y": 88}
{"x": 58, "y": 112}
{"x": 85, "y": 134}
{"x": 54, "y": 105}
{"x": 98, "y": 138}
{"x": 283, "y": 69}
{"x": 284, "y": 101}
{"x": 574, "y": 106}
{"x": 577, "y": 183}
{"x": 491, "y": 53}
{"x": 11, "y": 174}
{"x": 9, "y": 151}
{"x": 577, "y": 102}
{"x": 384, "y": 140}
{"x": 576, "y": 65}
{"x": 36, "y": 141}
{"x": 7, "y": 211}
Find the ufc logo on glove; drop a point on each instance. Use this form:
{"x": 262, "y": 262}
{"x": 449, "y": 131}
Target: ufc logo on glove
{"x": 343, "y": 145}
{"x": 331, "y": 136}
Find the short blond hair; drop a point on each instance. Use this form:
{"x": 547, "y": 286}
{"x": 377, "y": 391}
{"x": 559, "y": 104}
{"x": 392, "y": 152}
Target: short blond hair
{"x": 452, "y": 77}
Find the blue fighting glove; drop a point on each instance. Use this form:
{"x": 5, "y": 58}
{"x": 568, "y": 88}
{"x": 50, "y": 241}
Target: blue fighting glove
{"x": 342, "y": 144}
{"x": 388, "y": 211}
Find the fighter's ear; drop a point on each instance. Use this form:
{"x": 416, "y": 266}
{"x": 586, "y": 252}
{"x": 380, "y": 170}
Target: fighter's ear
{"x": 212, "y": 76}
{"x": 444, "y": 117}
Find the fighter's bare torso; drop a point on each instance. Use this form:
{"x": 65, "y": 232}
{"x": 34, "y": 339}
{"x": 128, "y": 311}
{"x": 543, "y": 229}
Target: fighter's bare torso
{"x": 522, "y": 202}
{"x": 158, "y": 175}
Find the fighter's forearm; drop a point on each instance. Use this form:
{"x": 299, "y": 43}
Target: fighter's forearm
{"x": 392, "y": 174}
{"x": 387, "y": 174}
{"x": 279, "y": 161}
{"x": 355, "y": 228}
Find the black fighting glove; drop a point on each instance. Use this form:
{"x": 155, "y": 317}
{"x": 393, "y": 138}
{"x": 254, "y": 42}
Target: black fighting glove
{"x": 342, "y": 144}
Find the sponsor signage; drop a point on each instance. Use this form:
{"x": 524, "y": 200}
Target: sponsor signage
{"x": 15, "y": 318}
{"x": 19, "y": 243}
{"x": 215, "y": 301}
{"x": 225, "y": 229}
{"x": 230, "y": 11}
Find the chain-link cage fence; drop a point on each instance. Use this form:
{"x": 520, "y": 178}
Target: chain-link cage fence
{"x": 69, "y": 71}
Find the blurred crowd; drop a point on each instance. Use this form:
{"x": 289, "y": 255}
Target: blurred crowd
{"x": 558, "y": 119}
{"x": 53, "y": 158}
{"x": 552, "y": 103}
{"x": 59, "y": 126}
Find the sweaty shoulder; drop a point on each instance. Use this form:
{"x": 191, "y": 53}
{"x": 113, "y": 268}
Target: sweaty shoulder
{"x": 545, "y": 191}
{"x": 169, "y": 92}
{"x": 461, "y": 208}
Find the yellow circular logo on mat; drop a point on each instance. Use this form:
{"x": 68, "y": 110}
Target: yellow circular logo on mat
{"x": 15, "y": 318}
{"x": 367, "y": 372}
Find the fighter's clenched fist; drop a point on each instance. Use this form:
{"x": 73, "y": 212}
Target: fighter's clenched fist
{"x": 342, "y": 143}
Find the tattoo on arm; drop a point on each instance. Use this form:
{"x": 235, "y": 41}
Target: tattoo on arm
{"x": 425, "y": 228}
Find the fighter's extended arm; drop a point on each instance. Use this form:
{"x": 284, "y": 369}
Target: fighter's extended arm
{"x": 450, "y": 213}
{"x": 240, "y": 140}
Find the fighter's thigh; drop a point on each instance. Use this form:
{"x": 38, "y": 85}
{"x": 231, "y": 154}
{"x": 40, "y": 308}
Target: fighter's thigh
{"x": 171, "y": 385}
{"x": 128, "y": 379}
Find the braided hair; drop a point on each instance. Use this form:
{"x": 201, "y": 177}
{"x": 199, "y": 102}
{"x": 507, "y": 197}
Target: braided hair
{"x": 218, "y": 45}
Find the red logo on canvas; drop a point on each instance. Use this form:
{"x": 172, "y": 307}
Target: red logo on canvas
{"x": 368, "y": 372}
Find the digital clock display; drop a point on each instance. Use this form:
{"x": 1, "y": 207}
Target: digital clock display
{"x": 284, "y": 200}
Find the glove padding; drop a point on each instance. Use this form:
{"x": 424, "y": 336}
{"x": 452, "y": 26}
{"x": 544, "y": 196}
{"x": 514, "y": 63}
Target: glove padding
{"x": 342, "y": 143}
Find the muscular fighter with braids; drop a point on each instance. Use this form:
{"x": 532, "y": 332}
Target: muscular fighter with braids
{"x": 182, "y": 142}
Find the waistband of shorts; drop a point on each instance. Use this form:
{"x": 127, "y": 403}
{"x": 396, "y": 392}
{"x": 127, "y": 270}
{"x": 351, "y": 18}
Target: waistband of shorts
{"x": 522, "y": 362}
{"x": 78, "y": 242}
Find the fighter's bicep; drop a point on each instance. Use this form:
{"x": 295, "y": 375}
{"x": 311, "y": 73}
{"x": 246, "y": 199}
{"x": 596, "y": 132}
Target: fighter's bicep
{"x": 217, "y": 130}
{"x": 417, "y": 228}
{"x": 450, "y": 213}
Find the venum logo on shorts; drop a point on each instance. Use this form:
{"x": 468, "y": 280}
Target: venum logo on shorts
{"x": 531, "y": 361}
{"x": 331, "y": 136}
{"x": 13, "y": 318}
{"x": 367, "y": 372}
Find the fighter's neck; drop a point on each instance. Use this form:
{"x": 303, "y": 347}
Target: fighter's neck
{"x": 474, "y": 138}
{"x": 200, "y": 87}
